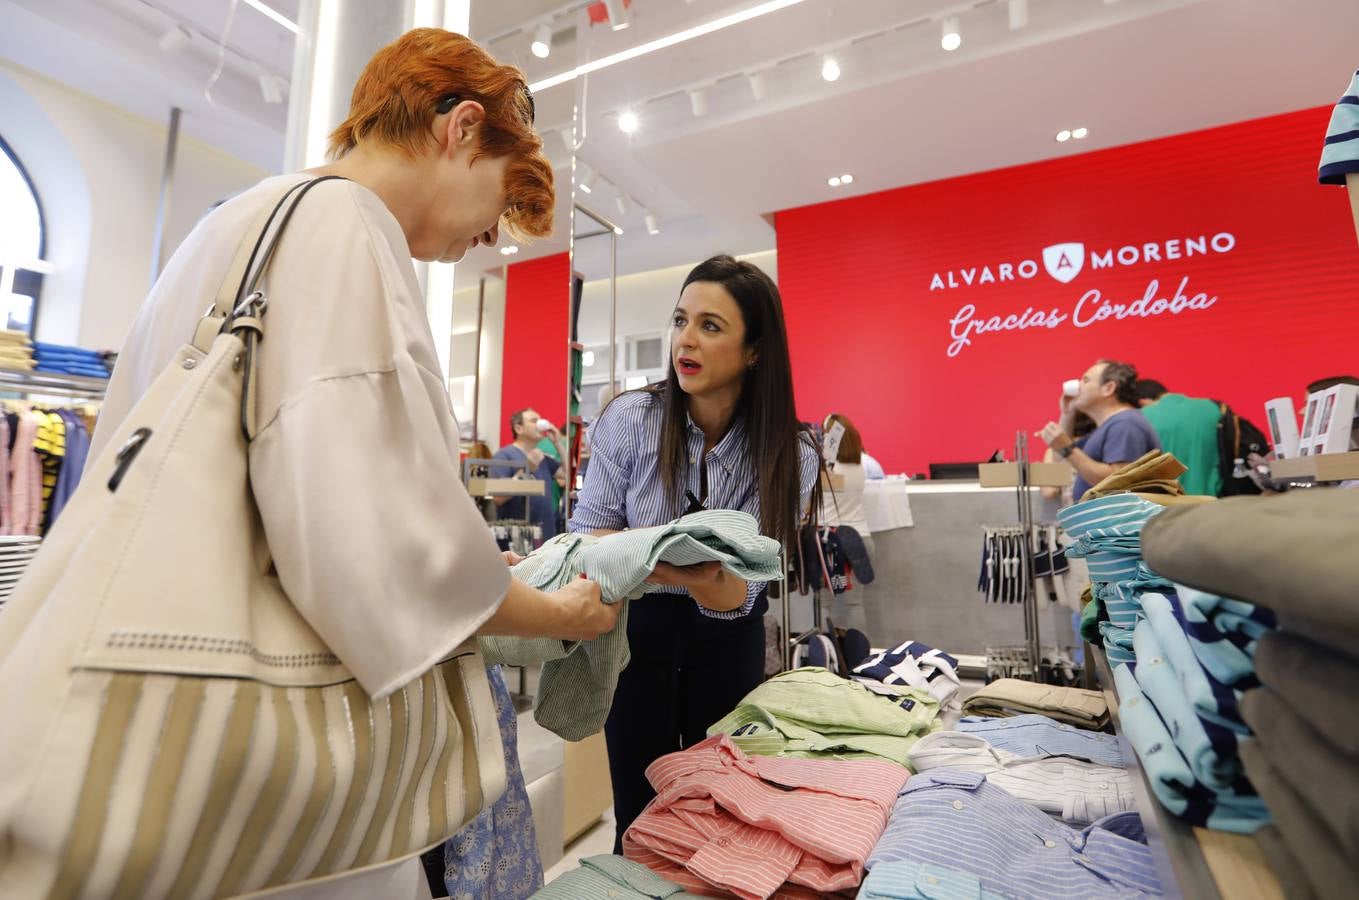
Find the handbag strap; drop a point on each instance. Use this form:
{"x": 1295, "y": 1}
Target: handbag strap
{"x": 248, "y": 265}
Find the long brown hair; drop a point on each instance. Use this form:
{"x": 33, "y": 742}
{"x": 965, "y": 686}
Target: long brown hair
{"x": 774, "y": 436}
{"x": 852, "y": 444}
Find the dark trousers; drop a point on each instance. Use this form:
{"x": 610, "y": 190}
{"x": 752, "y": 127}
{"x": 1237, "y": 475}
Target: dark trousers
{"x": 687, "y": 671}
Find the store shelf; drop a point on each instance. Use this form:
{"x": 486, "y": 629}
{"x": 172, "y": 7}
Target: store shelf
{"x": 1326, "y": 467}
{"x": 1193, "y": 863}
{"x": 25, "y": 382}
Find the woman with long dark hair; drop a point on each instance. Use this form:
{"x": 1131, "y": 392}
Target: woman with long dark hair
{"x": 721, "y": 432}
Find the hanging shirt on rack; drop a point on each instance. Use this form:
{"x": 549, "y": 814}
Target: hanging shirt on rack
{"x": 50, "y": 442}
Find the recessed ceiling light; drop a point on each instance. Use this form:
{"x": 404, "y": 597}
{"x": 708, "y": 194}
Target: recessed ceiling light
{"x": 509, "y": 251}
{"x": 588, "y": 358}
{"x": 846, "y": 179}
{"x": 833, "y": 181}
{"x": 628, "y": 122}
{"x": 951, "y": 38}
{"x": 1063, "y": 136}
{"x": 1080, "y": 133}
{"x": 542, "y": 41}
{"x": 830, "y": 69}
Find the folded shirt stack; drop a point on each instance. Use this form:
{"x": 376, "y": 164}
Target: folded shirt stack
{"x": 1014, "y": 697}
{"x": 912, "y": 665}
{"x": 579, "y": 679}
{"x": 811, "y": 713}
{"x": 906, "y": 880}
{"x": 1293, "y": 555}
{"x": 1107, "y": 534}
{"x": 1180, "y": 705}
{"x": 962, "y": 822}
{"x": 60, "y": 359}
{"x": 16, "y": 351}
{"x": 1074, "y": 790}
{"x": 757, "y": 827}
{"x": 611, "y": 878}
{"x": 1035, "y": 735}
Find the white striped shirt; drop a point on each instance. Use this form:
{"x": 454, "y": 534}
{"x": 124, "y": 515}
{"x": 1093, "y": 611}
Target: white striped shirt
{"x": 1078, "y": 791}
{"x": 624, "y": 486}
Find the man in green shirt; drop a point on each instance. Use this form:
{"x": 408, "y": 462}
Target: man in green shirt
{"x": 1188, "y": 428}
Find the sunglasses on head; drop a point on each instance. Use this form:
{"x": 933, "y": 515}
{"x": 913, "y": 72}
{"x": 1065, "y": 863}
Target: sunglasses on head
{"x": 449, "y": 101}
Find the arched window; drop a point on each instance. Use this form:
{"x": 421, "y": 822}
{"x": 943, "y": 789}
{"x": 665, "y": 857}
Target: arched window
{"x": 23, "y": 244}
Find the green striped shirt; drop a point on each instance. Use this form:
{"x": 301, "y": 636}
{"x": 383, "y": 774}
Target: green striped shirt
{"x": 611, "y": 878}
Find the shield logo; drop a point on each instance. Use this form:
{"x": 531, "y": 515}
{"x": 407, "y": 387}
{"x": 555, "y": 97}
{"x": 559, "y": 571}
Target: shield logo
{"x": 1064, "y": 261}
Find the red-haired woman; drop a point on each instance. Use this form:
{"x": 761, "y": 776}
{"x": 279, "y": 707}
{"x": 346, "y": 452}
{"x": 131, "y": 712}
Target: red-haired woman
{"x": 354, "y": 465}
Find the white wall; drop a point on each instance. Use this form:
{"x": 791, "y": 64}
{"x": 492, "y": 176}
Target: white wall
{"x": 463, "y": 354}
{"x": 114, "y": 159}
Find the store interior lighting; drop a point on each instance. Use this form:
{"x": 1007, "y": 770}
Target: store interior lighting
{"x": 698, "y": 101}
{"x": 619, "y": 16}
{"x": 618, "y": 230}
{"x": 1063, "y": 136}
{"x": 262, "y": 7}
{"x": 652, "y": 226}
{"x": 628, "y": 122}
{"x": 174, "y": 39}
{"x": 624, "y": 207}
{"x": 1080, "y": 133}
{"x": 542, "y": 41}
{"x": 509, "y": 250}
{"x": 830, "y": 69}
{"x": 588, "y": 177}
{"x": 833, "y": 181}
{"x": 952, "y": 37}
{"x": 759, "y": 85}
{"x": 271, "y": 88}
{"x": 1019, "y": 14}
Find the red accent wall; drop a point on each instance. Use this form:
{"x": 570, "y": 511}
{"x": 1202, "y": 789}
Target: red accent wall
{"x": 537, "y": 315}
{"x": 875, "y": 325}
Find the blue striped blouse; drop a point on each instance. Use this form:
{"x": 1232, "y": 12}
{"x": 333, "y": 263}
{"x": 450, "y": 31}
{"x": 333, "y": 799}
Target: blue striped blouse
{"x": 624, "y": 487}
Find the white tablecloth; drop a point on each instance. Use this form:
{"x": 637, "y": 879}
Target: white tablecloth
{"x": 887, "y": 505}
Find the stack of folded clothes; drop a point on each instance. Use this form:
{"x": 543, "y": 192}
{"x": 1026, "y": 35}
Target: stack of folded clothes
{"x": 811, "y": 713}
{"x": 611, "y": 878}
{"x": 16, "y": 351}
{"x": 1014, "y": 697}
{"x": 1295, "y": 556}
{"x": 915, "y": 665}
{"x": 725, "y": 823}
{"x": 62, "y": 360}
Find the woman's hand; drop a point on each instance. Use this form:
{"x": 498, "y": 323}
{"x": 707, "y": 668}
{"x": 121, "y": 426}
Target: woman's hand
{"x": 708, "y": 583}
{"x": 585, "y": 615}
{"x": 512, "y": 559}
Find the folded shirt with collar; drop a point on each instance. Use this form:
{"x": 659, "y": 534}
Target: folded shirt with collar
{"x": 1075, "y": 790}
{"x": 608, "y": 877}
{"x": 1312, "y": 676}
{"x": 810, "y": 713}
{"x": 906, "y": 880}
{"x": 1155, "y": 472}
{"x": 1013, "y": 696}
{"x": 578, "y": 680}
{"x": 1323, "y": 778}
{"x": 1035, "y": 735}
{"x": 756, "y": 826}
{"x": 912, "y": 664}
{"x": 961, "y": 821}
{"x": 1171, "y": 778}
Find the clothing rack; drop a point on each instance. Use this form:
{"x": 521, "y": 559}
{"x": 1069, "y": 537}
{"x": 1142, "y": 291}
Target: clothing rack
{"x": 15, "y": 381}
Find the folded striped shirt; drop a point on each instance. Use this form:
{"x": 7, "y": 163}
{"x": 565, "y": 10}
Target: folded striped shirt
{"x": 906, "y": 880}
{"x": 1035, "y": 735}
{"x": 578, "y": 680}
{"x": 961, "y": 821}
{"x": 1340, "y": 153}
{"x": 608, "y": 877}
{"x": 912, "y": 664}
{"x": 1075, "y": 790}
{"x": 1172, "y": 780}
{"x": 755, "y": 826}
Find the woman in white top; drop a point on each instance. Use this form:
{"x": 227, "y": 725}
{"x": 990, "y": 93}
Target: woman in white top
{"x": 844, "y": 506}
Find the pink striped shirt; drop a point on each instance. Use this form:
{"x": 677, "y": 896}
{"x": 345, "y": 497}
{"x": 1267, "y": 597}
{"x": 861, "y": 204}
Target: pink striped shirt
{"x": 757, "y": 827}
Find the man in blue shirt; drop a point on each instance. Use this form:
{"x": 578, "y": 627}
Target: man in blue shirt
{"x": 540, "y": 510}
{"x": 1108, "y": 395}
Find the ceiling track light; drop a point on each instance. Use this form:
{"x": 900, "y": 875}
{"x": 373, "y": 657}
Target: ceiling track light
{"x": 830, "y": 69}
{"x": 628, "y": 122}
{"x": 619, "y": 17}
{"x": 951, "y": 37}
{"x": 1019, "y": 14}
{"x": 542, "y": 41}
{"x": 698, "y": 101}
{"x": 1080, "y": 134}
{"x": 759, "y": 85}
{"x": 624, "y": 207}
{"x": 1063, "y": 136}
{"x": 588, "y": 177}
{"x": 652, "y": 226}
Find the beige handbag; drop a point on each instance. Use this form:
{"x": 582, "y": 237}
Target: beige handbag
{"x": 169, "y": 724}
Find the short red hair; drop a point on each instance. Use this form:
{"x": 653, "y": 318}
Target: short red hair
{"x": 395, "y": 98}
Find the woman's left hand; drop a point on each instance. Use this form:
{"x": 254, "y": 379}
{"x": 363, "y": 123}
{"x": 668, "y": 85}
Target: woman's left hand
{"x": 512, "y": 559}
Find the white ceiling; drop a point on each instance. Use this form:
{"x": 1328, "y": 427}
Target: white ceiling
{"x": 903, "y": 111}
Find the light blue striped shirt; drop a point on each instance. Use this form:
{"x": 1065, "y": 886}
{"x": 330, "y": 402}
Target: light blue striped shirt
{"x": 1340, "y": 153}
{"x": 946, "y": 817}
{"x": 1034, "y": 735}
{"x": 624, "y": 487}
